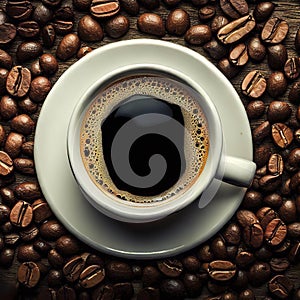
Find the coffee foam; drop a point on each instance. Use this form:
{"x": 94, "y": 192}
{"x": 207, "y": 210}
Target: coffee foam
{"x": 109, "y": 97}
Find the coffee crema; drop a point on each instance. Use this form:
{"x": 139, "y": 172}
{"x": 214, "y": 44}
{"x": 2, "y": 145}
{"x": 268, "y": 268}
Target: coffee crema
{"x": 144, "y": 138}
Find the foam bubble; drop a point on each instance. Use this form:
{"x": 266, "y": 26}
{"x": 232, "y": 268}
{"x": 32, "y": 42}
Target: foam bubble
{"x": 196, "y": 144}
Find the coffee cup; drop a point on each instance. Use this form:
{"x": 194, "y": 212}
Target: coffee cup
{"x": 145, "y": 141}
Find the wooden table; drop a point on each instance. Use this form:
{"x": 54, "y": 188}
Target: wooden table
{"x": 288, "y": 10}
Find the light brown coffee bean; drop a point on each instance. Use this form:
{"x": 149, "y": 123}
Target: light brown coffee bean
{"x": 91, "y": 276}
{"x": 236, "y": 30}
{"x": 68, "y": 46}
{"x": 292, "y": 68}
{"x": 275, "y": 232}
{"x": 18, "y": 81}
{"x": 6, "y": 164}
{"x": 221, "y": 270}
{"x": 83, "y": 51}
{"x": 218, "y": 22}
{"x": 28, "y": 191}
{"x": 13, "y": 144}
{"x": 246, "y": 217}
{"x": 275, "y": 165}
{"x": 254, "y": 84}
{"x": 198, "y": 35}
{"x": 253, "y": 235}
{"x": 206, "y": 13}
{"x": 39, "y": 88}
{"x": 89, "y": 30}
{"x": 28, "y": 274}
{"x": 104, "y": 8}
{"x": 73, "y": 268}
{"x": 48, "y": 64}
{"x": 22, "y": 124}
{"x": 21, "y": 214}
{"x": 239, "y": 55}
{"x": 28, "y": 50}
{"x": 282, "y": 135}
{"x": 274, "y": 31}
{"x": 152, "y": 24}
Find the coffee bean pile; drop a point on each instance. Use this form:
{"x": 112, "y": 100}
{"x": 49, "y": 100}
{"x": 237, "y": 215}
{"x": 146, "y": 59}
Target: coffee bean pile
{"x": 257, "y": 254}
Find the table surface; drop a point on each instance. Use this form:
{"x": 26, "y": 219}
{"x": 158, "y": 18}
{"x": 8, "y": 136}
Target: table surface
{"x": 288, "y": 10}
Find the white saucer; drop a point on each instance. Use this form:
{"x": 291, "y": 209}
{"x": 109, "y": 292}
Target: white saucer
{"x": 176, "y": 233}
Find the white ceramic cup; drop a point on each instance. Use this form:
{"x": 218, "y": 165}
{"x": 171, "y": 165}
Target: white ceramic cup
{"x": 234, "y": 170}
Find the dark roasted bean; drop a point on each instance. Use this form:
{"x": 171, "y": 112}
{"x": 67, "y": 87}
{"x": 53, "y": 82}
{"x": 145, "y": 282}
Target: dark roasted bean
{"x": 206, "y": 13}
{"x": 191, "y": 263}
{"x": 253, "y": 235}
{"x": 19, "y": 10}
{"x": 172, "y": 289}
{"x": 8, "y": 107}
{"x": 170, "y": 267}
{"x": 52, "y": 230}
{"x": 275, "y": 165}
{"x": 263, "y": 11}
{"x": 274, "y": 31}
{"x": 54, "y": 278}
{"x": 28, "y": 29}
{"x": 83, "y": 51}
{"x": 7, "y": 257}
{"x": 41, "y": 246}
{"x": 67, "y": 245}
{"x": 89, "y": 30}
{"x": 117, "y": 26}
{"x": 41, "y": 211}
{"x": 178, "y": 22}
{"x": 5, "y": 60}
{"x": 218, "y": 22}
{"x": 63, "y": 20}
{"x": 132, "y": 6}
{"x": 280, "y": 286}
{"x": 22, "y": 124}
{"x": 151, "y": 23}
{"x": 8, "y": 33}
{"x": 119, "y": 271}
{"x": 244, "y": 259}
{"x": 259, "y": 273}
{"x": 48, "y": 64}
{"x": 277, "y": 56}
{"x": 288, "y": 211}
{"x": 73, "y": 268}
{"x": 39, "y": 88}
{"x": 227, "y": 68}
{"x": 236, "y": 30}
{"x": 198, "y": 35}
{"x": 29, "y": 233}
{"x": 55, "y": 259}
{"x": 279, "y": 265}
{"x": 28, "y": 51}
{"x": 6, "y": 164}
{"x": 7, "y": 197}
{"x": 28, "y": 191}
{"x": 215, "y": 49}
{"x": 42, "y": 14}
{"x": 257, "y": 51}
{"x": 276, "y": 84}
{"x": 261, "y": 131}
{"x": 48, "y": 36}
{"x": 234, "y": 8}
{"x": 66, "y": 293}
{"x": 294, "y": 94}
{"x": 247, "y": 294}
{"x": 151, "y": 276}
{"x": 104, "y": 8}
{"x": 279, "y": 111}
{"x": 68, "y": 46}
{"x": 27, "y": 253}
{"x": 255, "y": 109}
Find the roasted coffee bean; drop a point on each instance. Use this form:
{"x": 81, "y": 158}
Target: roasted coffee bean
{"x": 42, "y": 14}
{"x": 91, "y": 276}
{"x": 119, "y": 271}
{"x": 297, "y": 136}
{"x": 123, "y": 290}
{"x": 5, "y": 60}
{"x": 217, "y": 23}
{"x": 274, "y": 31}
{"x": 89, "y": 30}
{"x": 236, "y": 30}
{"x": 117, "y": 26}
{"x": 294, "y": 253}
{"x": 275, "y": 232}
{"x": 276, "y": 84}
{"x": 24, "y": 165}
{"x": 293, "y": 162}
{"x": 205, "y": 254}
{"x": 263, "y": 11}
{"x": 28, "y": 50}
{"x": 55, "y": 259}
{"x": 151, "y": 276}
{"x": 48, "y": 36}
{"x": 64, "y": 20}
{"x": 28, "y": 29}
{"x": 2, "y": 135}
{"x": 178, "y": 22}
{"x": 294, "y": 94}
{"x": 193, "y": 284}
{"x": 231, "y": 252}
{"x": 27, "y": 253}
{"x": 170, "y": 267}
{"x": 67, "y": 245}
{"x": 282, "y": 249}
{"x": 22, "y": 124}
{"x": 254, "y": 84}
{"x": 297, "y": 41}
{"x": 232, "y": 234}
{"x": 280, "y": 286}
{"x": 7, "y": 228}
{"x": 279, "y": 265}
{"x": 215, "y": 49}
{"x": 8, "y": 33}
{"x": 246, "y": 218}
{"x": 18, "y": 81}
{"x": 73, "y": 268}
{"x": 52, "y": 3}
{"x": 12, "y": 239}
{"x": 292, "y": 68}
{"x": 19, "y": 10}
{"x": 266, "y": 215}
{"x": 39, "y": 88}
{"x": 252, "y": 199}
{"x": 279, "y": 111}
{"x": 221, "y": 270}
{"x": 48, "y": 64}
{"x": 83, "y": 5}
{"x": 41, "y": 211}
{"x": 83, "y": 51}
{"x": 253, "y": 235}
{"x": 151, "y": 23}
{"x": 21, "y": 214}
{"x": 206, "y": 13}
{"x": 285, "y": 189}
{"x": 282, "y": 135}
{"x": 227, "y": 68}
{"x": 35, "y": 69}
{"x": 7, "y": 257}
{"x": 4, "y": 213}
{"x": 148, "y": 293}
{"x": 255, "y": 109}
{"x": 28, "y": 274}
{"x": 8, "y": 198}
{"x": 261, "y": 131}
{"x": 41, "y": 246}
{"x": 218, "y": 248}
{"x": 52, "y": 230}
{"x": 244, "y": 259}
{"x": 273, "y": 200}
{"x": 54, "y": 278}
{"x": 239, "y": 55}
{"x": 191, "y": 263}
{"x": 8, "y": 107}
{"x": 28, "y": 191}
{"x": 29, "y": 233}
{"x": 3, "y": 78}
{"x": 198, "y": 35}
{"x": 277, "y": 56}
{"x": 172, "y": 289}
{"x": 68, "y": 46}
{"x": 275, "y": 165}
{"x": 270, "y": 183}
{"x": 66, "y": 293}
{"x": 104, "y": 8}
{"x": 247, "y": 294}
{"x": 256, "y": 50}
{"x": 288, "y": 211}
{"x": 3, "y": 17}
{"x": 6, "y": 164}
{"x": 234, "y": 8}
{"x": 132, "y": 7}
{"x": 259, "y": 273}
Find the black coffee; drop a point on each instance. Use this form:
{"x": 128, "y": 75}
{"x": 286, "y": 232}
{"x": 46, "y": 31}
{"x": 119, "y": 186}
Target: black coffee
{"x": 145, "y": 138}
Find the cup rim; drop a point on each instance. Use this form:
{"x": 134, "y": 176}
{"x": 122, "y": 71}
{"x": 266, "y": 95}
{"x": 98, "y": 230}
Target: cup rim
{"x": 123, "y": 211}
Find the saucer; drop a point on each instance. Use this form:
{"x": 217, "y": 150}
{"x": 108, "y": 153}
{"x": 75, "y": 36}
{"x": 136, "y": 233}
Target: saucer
{"x": 176, "y": 233}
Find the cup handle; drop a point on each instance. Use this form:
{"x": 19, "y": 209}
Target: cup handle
{"x": 236, "y": 171}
